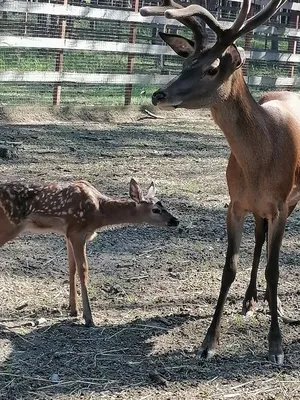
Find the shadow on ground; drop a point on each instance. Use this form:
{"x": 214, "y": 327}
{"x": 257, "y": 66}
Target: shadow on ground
{"x": 109, "y": 358}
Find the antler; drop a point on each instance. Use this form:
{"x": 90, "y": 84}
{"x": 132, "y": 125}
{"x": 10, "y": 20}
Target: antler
{"x": 238, "y": 28}
{"x": 159, "y": 10}
{"x": 197, "y": 26}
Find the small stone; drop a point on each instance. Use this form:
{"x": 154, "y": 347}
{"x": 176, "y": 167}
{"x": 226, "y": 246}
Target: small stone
{"x": 54, "y": 378}
{"x": 174, "y": 275}
{"x": 40, "y": 321}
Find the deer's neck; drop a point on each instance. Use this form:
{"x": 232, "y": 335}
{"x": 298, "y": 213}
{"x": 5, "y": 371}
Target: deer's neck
{"x": 242, "y": 120}
{"x": 116, "y": 212}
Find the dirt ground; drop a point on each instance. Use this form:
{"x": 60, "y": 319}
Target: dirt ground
{"x": 152, "y": 291}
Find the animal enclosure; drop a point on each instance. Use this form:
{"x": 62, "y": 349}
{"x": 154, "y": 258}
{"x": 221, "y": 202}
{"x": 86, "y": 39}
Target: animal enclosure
{"x": 103, "y": 52}
{"x": 152, "y": 291}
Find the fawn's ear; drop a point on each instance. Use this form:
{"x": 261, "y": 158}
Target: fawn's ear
{"x": 151, "y": 191}
{"x": 135, "y": 192}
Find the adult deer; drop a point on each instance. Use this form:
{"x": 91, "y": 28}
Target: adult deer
{"x": 263, "y": 172}
{"x": 76, "y": 210}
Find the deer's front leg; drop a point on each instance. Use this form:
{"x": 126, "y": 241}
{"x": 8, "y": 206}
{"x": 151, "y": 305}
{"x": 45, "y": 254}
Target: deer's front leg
{"x": 276, "y": 227}
{"x": 79, "y": 251}
{"x": 235, "y": 221}
{"x": 72, "y": 280}
{"x": 250, "y": 298}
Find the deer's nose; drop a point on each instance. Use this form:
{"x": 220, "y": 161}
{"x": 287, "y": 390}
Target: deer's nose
{"x": 173, "y": 222}
{"x": 158, "y": 96}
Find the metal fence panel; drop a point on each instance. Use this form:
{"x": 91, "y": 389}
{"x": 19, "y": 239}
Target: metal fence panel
{"x": 104, "y": 52}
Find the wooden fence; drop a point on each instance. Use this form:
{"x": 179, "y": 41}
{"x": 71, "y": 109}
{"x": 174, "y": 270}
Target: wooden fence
{"x": 51, "y": 26}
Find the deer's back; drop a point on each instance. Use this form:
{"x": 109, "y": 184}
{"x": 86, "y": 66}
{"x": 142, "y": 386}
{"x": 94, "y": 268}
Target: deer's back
{"x": 288, "y": 102}
{"x": 283, "y": 124}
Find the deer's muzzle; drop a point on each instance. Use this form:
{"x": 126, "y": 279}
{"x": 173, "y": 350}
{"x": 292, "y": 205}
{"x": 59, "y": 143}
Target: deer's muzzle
{"x": 173, "y": 222}
{"x": 158, "y": 97}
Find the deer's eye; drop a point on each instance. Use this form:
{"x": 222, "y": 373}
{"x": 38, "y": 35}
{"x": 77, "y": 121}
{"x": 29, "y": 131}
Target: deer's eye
{"x": 212, "y": 71}
{"x": 156, "y": 210}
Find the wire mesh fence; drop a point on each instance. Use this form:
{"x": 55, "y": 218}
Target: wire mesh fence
{"x": 100, "y": 51}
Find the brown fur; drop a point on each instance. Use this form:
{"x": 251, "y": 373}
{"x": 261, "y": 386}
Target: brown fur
{"x": 263, "y": 172}
{"x": 263, "y": 169}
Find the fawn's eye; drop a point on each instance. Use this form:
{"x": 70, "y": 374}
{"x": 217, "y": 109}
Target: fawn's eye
{"x": 156, "y": 210}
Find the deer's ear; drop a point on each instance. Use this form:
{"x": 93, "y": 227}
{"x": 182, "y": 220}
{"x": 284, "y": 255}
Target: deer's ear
{"x": 135, "y": 192}
{"x": 151, "y": 191}
{"x": 182, "y": 46}
{"x": 238, "y": 56}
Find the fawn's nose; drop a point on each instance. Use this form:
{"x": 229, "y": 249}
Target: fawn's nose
{"x": 173, "y": 222}
{"x": 158, "y": 96}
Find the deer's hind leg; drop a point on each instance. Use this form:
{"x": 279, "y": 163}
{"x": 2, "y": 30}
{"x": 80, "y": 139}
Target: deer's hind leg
{"x": 8, "y": 230}
{"x": 250, "y": 299}
{"x": 261, "y": 234}
{"x": 279, "y": 305}
{"x": 276, "y": 228}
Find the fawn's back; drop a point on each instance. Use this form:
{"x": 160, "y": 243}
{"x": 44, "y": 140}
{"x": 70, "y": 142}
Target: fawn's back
{"x": 50, "y": 207}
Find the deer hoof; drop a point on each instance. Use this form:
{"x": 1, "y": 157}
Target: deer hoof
{"x": 276, "y": 358}
{"x": 249, "y": 302}
{"x": 206, "y": 353}
{"x": 249, "y": 307}
{"x": 208, "y": 348}
{"x": 89, "y": 323}
{"x": 74, "y": 313}
{"x": 276, "y": 355}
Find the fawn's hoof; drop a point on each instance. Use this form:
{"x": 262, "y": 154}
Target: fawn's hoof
{"x": 74, "y": 313}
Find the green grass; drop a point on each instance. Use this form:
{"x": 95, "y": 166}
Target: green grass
{"x": 12, "y": 94}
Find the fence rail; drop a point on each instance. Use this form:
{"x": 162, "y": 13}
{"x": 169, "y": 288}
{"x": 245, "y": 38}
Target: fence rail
{"x": 125, "y": 79}
{"x": 117, "y": 47}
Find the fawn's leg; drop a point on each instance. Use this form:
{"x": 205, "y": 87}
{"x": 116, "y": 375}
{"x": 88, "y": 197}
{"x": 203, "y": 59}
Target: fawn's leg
{"x": 235, "y": 221}
{"x": 72, "y": 280}
{"x": 276, "y": 227}
{"x": 79, "y": 251}
{"x": 261, "y": 226}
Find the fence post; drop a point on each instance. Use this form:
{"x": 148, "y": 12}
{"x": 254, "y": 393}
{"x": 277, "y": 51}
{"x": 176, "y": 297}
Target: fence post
{"x": 292, "y": 46}
{"x": 247, "y": 43}
{"x": 59, "y": 57}
{"x": 130, "y": 62}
